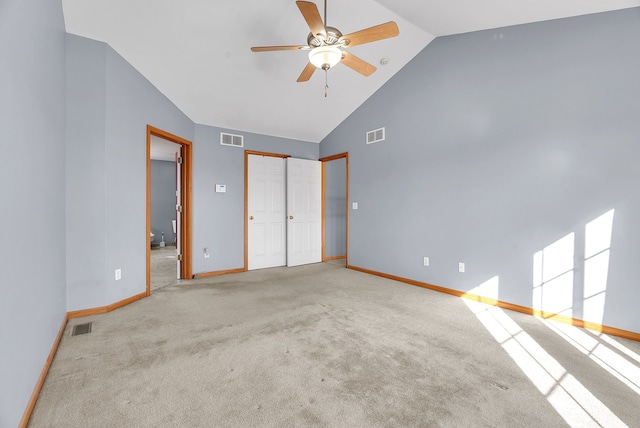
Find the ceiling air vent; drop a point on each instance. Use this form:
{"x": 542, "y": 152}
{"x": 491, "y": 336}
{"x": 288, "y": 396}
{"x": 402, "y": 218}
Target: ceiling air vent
{"x": 375, "y": 136}
{"x": 231, "y": 140}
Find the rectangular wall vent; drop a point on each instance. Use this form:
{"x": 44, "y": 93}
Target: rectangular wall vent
{"x": 375, "y": 136}
{"x": 231, "y": 140}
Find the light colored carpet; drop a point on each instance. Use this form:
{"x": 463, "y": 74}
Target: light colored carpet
{"x": 320, "y": 345}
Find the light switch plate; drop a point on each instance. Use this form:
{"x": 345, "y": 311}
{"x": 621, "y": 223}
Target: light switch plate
{"x": 354, "y": 205}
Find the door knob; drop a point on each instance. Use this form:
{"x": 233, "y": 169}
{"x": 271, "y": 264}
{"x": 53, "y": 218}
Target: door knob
{"x": 250, "y": 217}
{"x": 290, "y": 217}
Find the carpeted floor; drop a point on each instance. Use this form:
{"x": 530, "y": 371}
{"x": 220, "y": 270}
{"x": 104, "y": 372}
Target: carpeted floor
{"x": 321, "y": 345}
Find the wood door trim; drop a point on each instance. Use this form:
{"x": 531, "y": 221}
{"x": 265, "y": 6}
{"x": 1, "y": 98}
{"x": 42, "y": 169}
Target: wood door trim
{"x": 344, "y": 155}
{"x": 334, "y": 157}
{"x": 323, "y": 193}
{"x": 347, "y": 211}
{"x": 273, "y": 155}
{"x": 187, "y": 201}
{"x": 246, "y": 198}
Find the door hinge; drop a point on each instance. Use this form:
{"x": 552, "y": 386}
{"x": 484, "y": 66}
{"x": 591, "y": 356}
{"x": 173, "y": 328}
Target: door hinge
{"x": 179, "y": 257}
{"x": 179, "y": 208}
{"x": 180, "y": 160}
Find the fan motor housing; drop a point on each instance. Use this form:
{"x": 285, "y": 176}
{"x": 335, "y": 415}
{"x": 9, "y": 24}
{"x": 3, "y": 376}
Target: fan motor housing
{"x": 333, "y": 36}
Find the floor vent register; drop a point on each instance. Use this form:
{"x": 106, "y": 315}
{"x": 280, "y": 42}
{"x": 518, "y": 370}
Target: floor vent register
{"x": 81, "y": 329}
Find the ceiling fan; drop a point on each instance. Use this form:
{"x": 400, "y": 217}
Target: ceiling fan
{"x": 327, "y": 44}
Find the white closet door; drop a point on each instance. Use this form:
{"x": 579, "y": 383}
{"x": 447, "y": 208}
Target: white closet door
{"x": 266, "y": 240}
{"x": 304, "y": 211}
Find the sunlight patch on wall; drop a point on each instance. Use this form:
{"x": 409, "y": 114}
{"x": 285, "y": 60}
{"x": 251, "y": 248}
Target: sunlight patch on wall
{"x": 554, "y": 267}
{"x": 596, "y": 270}
{"x": 596, "y": 266}
{"x": 598, "y": 234}
{"x": 573, "y": 402}
{"x": 553, "y": 277}
{"x": 489, "y": 288}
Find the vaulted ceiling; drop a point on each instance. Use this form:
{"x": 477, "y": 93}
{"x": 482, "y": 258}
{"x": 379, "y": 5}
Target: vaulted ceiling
{"x": 197, "y": 52}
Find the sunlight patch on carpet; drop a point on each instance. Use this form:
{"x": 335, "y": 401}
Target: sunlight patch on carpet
{"x": 573, "y": 402}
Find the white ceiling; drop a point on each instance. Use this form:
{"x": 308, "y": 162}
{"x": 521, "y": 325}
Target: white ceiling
{"x": 197, "y": 51}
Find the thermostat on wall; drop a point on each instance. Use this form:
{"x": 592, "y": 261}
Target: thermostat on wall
{"x": 221, "y": 188}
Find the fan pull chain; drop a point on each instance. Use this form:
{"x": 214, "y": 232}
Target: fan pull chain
{"x": 326, "y": 82}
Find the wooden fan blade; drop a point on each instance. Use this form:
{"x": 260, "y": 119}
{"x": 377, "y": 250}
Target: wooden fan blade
{"x": 278, "y": 48}
{"x": 373, "y": 34}
{"x": 357, "y": 64}
{"x": 312, "y": 16}
{"x": 306, "y": 73}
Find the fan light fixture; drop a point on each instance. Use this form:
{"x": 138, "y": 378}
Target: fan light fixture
{"x": 325, "y": 57}
{"x": 328, "y": 46}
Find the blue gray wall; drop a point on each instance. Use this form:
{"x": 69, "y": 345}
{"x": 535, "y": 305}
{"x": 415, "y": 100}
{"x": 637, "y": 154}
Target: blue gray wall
{"x": 218, "y": 218}
{"x": 32, "y": 193}
{"x": 109, "y": 105}
{"x": 335, "y": 209}
{"x": 86, "y": 240}
{"x": 499, "y": 143}
{"x": 163, "y": 200}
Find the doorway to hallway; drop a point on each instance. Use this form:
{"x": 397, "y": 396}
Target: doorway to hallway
{"x": 172, "y": 232}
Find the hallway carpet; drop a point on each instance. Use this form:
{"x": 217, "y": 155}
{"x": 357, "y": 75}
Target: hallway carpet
{"x": 164, "y": 268}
